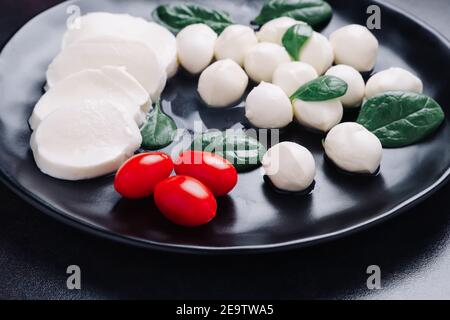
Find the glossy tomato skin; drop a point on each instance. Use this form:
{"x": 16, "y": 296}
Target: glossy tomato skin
{"x": 185, "y": 201}
{"x": 138, "y": 177}
{"x": 217, "y": 173}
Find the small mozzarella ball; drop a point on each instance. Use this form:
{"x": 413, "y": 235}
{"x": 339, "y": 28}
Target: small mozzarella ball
{"x": 234, "y": 43}
{"x": 393, "y": 79}
{"x": 290, "y": 167}
{"x": 273, "y": 31}
{"x": 263, "y": 59}
{"x": 353, "y": 148}
{"x": 195, "y": 45}
{"x": 222, "y": 83}
{"x": 319, "y": 115}
{"x": 292, "y": 75}
{"x": 356, "y": 46}
{"x": 318, "y": 52}
{"x": 268, "y": 107}
{"x": 356, "y": 85}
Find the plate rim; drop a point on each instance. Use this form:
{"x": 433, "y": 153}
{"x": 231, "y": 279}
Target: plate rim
{"x": 98, "y": 231}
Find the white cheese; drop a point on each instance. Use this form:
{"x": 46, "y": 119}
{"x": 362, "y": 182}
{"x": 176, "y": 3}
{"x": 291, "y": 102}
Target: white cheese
{"x": 356, "y": 85}
{"x": 222, "y": 83}
{"x": 356, "y": 46}
{"x": 84, "y": 142}
{"x": 290, "y": 166}
{"x": 317, "y": 52}
{"x": 268, "y": 107}
{"x": 262, "y": 60}
{"x": 393, "y": 79}
{"x": 111, "y": 84}
{"x": 354, "y": 148}
{"x": 292, "y": 75}
{"x": 126, "y": 27}
{"x": 319, "y": 115}
{"x": 274, "y": 30}
{"x": 195, "y": 45}
{"x": 234, "y": 43}
{"x": 140, "y": 61}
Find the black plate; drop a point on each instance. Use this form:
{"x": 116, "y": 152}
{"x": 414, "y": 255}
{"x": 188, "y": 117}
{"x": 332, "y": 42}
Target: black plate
{"x": 254, "y": 217}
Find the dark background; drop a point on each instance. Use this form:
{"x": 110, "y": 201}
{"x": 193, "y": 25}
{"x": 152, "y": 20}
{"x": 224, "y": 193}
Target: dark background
{"x": 413, "y": 249}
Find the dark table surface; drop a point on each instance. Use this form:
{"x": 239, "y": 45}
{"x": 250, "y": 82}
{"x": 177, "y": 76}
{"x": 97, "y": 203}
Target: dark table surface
{"x": 412, "y": 250}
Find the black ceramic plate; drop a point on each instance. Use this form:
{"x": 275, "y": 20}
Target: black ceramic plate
{"x": 253, "y": 217}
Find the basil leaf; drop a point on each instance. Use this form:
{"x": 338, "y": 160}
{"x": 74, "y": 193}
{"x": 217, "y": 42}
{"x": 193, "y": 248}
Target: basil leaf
{"x": 323, "y": 88}
{"x": 399, "y": 118}
{"x": 244, "y": 152}
{"x": 313, "y": 12}
{"x": 177, "y": 16}
{"x": 159, "y": 131}
{"x": 295, "y": 38}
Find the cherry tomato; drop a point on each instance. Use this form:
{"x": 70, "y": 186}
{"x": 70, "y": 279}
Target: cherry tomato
{"x": 185, "y": 201}
{"x": 138, "y": 177}
{"x": 215, "y": 172}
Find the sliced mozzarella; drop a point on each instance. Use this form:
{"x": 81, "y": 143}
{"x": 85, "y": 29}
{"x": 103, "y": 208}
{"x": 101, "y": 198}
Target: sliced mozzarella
{"x": 318, "y": 52}
{"x": 107, "y": 84}
{"x": 393, "y": 79}
{"x": 268, "y": 107}
{"x": 354, "y": 148}
{"x": 290, "y": 166}
{"x": 262, "y": 60}
{"x": 222, "y": 83}
{"x": 356, "y": 86}
{"x": 140, "y": 61}
{"x": 356, "y": 46}
{"x": 126, "y": 27}
{"x": 234, "y": 43}
{"x": 274, "y": 30}
{"x": 195, "y": 45}
{"x": 292, "y": 75}
{"x": 319, "y": 115}
{"x": 84, "y": 142}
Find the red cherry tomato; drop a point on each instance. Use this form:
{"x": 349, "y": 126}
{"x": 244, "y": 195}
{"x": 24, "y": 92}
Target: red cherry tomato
{"x": 138, "y": 177}
{"x": 215, "y": 172}
{"x": 185, "y": 201}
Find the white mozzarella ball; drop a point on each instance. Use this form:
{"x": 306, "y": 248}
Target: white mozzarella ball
{"x": 393, "y": 79}
{"x": 273, "y": 31}
{"x": 292, "y": 75}
{"x": 356, "y": 46}
{"x": 318, "y": 52}
{"x": 319, "y": 115}
{"x": 234, "y": 43}
{"x": 354, "y": 148}
{"x": 268, "y": 107}
{"x": 222, "y": 83}
{"x": 195, "y": 45}
{"x": 263, "y": 59}
{"x": 356, "y": 85}
{"x": 290, "y": 167}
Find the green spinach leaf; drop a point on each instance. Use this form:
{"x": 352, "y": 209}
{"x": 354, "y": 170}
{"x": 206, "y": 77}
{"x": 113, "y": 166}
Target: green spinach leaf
{"x": 243, "y": 151}
{"x": 177, "y": 16}
{"x": 400, "y": 118}
{"x": 313, "y": 12}
{"x": 295, "y": 38}
{"x": 323, "y": 88}
{"x": 159, "y": 131}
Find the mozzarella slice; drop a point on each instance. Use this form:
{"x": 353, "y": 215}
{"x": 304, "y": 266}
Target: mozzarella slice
{"x": 126, "y": 27}
{"x": 107, "y": 84}
{"x": 84, "y": 142}
{"x": 140, "y": 61}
